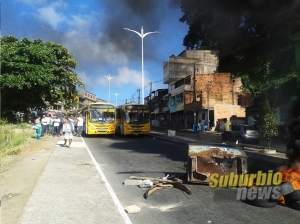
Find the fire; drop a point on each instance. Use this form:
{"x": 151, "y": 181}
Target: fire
{"x": 291, "y": 174}
{"x": 281, "y": 200}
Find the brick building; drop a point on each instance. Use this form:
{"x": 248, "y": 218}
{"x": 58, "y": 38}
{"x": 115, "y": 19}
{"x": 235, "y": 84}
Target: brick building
{"x": 198, "y": 92}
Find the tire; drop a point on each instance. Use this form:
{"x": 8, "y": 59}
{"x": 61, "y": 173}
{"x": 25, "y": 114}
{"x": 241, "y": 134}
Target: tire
{"x": 262, "y": 203}
{"x": 286, "y": 188}
{"x": 295, "y": 205}
{"x": 292, "y": 197}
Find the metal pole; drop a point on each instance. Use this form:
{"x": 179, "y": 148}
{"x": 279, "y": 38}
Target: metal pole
{"x": 117, "y": 94}
{"x": 194, "y": 95}
{"x": 109, "y": 78}
{"x": 142, "y": 34}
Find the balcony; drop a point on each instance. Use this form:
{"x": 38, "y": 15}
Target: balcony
{"x": 166, "y": 109}
{"x": 156, "y": 111}
{"x": 181, "y": 89}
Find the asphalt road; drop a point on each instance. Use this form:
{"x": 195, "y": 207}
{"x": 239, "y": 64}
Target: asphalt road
{"x": 121, "y": 157}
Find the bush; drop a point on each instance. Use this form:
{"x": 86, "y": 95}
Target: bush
{"x": 9, "y": 138}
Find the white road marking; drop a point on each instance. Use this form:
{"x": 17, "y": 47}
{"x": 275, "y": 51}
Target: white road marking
{"x": 109, "y": 188}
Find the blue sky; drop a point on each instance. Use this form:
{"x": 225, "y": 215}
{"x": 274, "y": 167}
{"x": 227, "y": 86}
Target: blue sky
{"x": 93, "y": 32}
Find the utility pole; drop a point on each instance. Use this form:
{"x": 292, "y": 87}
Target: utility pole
{"x": 194, "y": 99}
{"x": 139, "y": 96}
{"x": 150, "y": 83}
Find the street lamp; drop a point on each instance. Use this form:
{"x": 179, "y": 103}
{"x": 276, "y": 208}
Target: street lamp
{"x": 142, "y": 35}
{"x": 116, "y": 94}
{"x": 109, "y": 78}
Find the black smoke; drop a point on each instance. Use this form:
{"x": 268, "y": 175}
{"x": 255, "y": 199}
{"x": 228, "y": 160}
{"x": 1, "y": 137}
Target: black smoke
{"x": 134, "y": 14}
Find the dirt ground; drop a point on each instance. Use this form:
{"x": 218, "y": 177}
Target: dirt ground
{"x": 20, "y": 174}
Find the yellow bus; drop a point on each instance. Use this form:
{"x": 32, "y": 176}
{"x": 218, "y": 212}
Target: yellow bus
{"x": 99, "y": 118}
{"x": 133, "y": 119}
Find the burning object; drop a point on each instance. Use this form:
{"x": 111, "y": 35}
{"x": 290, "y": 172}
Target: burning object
{"x": 205, "y": 160}
{"x": 291, "y": 172}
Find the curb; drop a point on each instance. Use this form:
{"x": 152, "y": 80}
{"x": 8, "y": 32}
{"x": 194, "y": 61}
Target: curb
{"x": 273, "y": 158}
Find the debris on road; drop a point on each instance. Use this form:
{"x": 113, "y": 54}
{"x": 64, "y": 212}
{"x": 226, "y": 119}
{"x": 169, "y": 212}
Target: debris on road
{"x": 204, "y": 160}
{"x": 146, "y": 183}
{"x": 162, "y": 183}
{"x": 132, "y": 209}
{"x": 132, "y": 182}
{"x": 164, "y": 186}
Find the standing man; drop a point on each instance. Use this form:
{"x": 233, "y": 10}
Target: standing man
{"x": 48, "y": 124}
{"x": 227, "y": 130}
{"x": 218, "y": 124}
{"x": 79, "y": 125}
{"x": 198, "y": 129}
{"x": 56, "y": 126}
{"x": 44, "y": 126}
{"x": 161, "y": 121}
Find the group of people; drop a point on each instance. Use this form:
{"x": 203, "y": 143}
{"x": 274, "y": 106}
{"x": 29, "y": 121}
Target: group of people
{"x": 58, "y": 124}
{"x": 225, "y": 128}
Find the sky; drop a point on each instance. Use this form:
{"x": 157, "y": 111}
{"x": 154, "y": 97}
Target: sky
{"x": 93, "y": 31}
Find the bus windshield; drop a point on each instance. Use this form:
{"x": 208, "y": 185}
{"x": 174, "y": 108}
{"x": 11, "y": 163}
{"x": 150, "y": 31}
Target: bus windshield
{"x": 136, "y": 117}
{"x": 102, "y": 116}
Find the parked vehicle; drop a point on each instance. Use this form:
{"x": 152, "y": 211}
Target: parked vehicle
{"x": 245, "y": 133}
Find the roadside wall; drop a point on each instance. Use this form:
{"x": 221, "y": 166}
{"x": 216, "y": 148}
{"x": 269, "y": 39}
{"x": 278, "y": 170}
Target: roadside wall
{"x": 228, "y": 110}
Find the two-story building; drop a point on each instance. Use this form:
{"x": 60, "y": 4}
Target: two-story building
{"x": 85, "y": 98}
{"x": 198, "y": 92}
{"x": 158, "y": 107}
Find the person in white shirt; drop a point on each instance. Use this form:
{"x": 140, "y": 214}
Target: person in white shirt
{"x": 44, "y": 125}
{"x": 68, "y": 129}
{"x": 48, "y": 124}
{"x": 79, "y": 125}
{"x": 56, "y": 126}
{"x": 51, "y": 131}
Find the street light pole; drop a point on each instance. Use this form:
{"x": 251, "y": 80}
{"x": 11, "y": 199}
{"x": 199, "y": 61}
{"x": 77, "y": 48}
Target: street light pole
{"x": 109, "y": 78}
{"x": 142, "y": 35}
{"x": 116, "y": 94}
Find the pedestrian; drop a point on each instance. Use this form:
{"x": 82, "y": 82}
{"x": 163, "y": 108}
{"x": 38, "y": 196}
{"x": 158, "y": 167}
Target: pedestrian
{"x": 56, "y": 126}
{"x": 51, "y": 131}
{"x": 198, "y": 129}
{"x": 60, "y": 117}
{"x": 44, "y": 125}
{"x": 72, "y": 119}
{"x": 75, "y": 125}
{"x": 218, "y": 124}
{"x": 205, "y": 125}
{"x": 227, "y": 131}
{"x": 68, "y": 129}
{"x": 48, "y": 124}
{"x": 79, "y": 125}
{"x": 37, "y": 120}
{"x": 161, "y": 121}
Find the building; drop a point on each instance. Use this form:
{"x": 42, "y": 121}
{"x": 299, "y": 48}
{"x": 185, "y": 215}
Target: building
{"x": 85, "y": 98}
{"x": 197, "y": 92}
{"x": 157, "y": 105}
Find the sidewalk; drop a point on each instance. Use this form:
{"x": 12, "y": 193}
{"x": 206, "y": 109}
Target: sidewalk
{"x": 72, "y": 189}
{"x": 183, "y": 137}
{"x": 216, "y": 137}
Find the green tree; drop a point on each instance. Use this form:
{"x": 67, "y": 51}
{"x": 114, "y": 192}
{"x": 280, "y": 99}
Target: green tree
{"x": 36, "y": 73}
{"x": 266, "y": 122}
{"x": 251, "y": 36}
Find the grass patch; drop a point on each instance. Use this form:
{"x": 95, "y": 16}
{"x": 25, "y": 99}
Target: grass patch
{"x": 14, "y": 152}
{"x": 12, "y": 136}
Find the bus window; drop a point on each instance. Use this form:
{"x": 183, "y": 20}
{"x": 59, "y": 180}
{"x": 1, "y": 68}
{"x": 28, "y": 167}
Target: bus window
{"x": 127, "y": 117}
{"x": 99, "y": 115}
